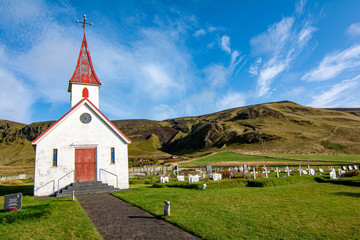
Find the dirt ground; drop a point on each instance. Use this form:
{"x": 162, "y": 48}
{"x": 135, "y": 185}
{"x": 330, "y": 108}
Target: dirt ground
{"x": 116, "y": 219}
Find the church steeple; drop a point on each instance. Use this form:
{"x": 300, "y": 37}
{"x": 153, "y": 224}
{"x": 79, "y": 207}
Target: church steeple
{"x": 84, "y": 83}
{"x": 84, "y": 71}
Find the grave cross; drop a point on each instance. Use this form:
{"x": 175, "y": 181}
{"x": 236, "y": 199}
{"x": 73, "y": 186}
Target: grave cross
{"x": 84, "y": 22}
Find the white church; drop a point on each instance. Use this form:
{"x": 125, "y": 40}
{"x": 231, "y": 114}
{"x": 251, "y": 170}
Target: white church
{"x": 83, "y": 145}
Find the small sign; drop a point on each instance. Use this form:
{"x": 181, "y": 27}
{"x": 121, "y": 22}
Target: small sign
{"x": 12, "y": 202}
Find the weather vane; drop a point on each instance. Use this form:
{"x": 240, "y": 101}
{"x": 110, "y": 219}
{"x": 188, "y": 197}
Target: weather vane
{"x": 84, "y": 22}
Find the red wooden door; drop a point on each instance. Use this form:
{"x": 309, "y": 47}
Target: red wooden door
{"x": 85, "y": 165}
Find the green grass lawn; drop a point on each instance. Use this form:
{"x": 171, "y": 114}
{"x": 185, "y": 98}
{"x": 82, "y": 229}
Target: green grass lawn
{"x": 308, "y": 159}
{"x": 304, "y": 209}
{"x": 59, "y": 218}
{"x": 319, "y": 158}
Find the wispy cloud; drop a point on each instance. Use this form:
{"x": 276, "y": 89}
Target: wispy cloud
{"x": 230, "y": 100}
{"x": 279, "y": 46}
{"x": 334, "y": 64}
{"x": 340, "y": 94}
{"x": 225, "y": 44}
{"x": 354, "y": 29}
{"x": 217, "y": 74}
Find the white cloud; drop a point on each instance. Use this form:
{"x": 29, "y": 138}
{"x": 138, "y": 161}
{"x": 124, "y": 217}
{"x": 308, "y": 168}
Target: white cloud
{"x": 158, "y": 83}
{"x": 334, "y": 64}
{"x": 16, "y": 98}
{"x": 354, "y": 29}
{"x": 216, "y": 74}
{"x": 231, "y": 100}
{"x": 200, "y": 32}
{"x": 274, "y": 39}
{"x": 254, "y": 69}
{"x": 306, "y": 34}
{"x": 162, "y": 112}
{"x": 335, "y": 96}
{"x": 225, "y": 44}
{"x": 294, "y": 92}
{"x": 267, "y": 75}
{"x": 278, "y": 47}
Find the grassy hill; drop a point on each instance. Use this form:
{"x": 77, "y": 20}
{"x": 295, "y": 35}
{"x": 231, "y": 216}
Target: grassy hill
{"x": 277, "y": 128}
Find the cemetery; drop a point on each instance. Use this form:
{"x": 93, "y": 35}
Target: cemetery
{"x": 211, "y": 202}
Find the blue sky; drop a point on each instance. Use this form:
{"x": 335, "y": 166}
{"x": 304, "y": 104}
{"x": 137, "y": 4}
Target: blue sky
{"x": 166, "y": 59}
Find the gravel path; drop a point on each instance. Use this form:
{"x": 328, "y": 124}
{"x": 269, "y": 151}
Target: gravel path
{"x": 116, "y": 219}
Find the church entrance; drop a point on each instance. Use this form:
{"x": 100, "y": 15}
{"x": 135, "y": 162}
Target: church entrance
{"x": 84, "y": 164}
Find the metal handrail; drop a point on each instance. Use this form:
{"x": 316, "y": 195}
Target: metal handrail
{"x": 117, "y": 182}
{"x": 45, "y": 185}
{"x": 62, "y": 178}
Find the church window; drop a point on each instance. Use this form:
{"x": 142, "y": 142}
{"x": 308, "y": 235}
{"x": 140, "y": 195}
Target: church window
{"x": 112, "y": 155}
{"x": 55, "y": 156}
{"x": 85, "y": 93}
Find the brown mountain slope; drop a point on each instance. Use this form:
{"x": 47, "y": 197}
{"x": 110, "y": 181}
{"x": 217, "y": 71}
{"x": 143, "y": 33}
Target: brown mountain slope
{"x": 280, "y": 127}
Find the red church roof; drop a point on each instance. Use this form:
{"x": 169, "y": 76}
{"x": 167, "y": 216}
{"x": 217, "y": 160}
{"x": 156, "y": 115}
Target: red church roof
{"x": 84, "y": 72}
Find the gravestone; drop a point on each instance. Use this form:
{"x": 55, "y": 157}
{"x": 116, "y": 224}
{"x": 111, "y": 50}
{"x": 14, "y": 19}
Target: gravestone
{"x": 141, "y": 178}
{"x": 277, "y": 171}
{"x": 344, "y": 168}
{"x": 209, "y": 169}
{"x": 164, "y": 170}
{"x": 321, "y": 170}
{"x": 350, "y": 168}
{"x": 311, "y": 171}
{"x": 333, "y": 174}
{"x": 236, "y": 169}
{"x": 266, "y": 172}
{"x": 13, "y": 202}
{"x": 216, "y": 176}
{"x": 131, "y": 176}
{"x": 181, "y": 178}
{"x": 300, "y": 171}
{"x": 254, "y": 172}
{"x": 341, "y": 173}
{"x": 164, "y": 179}
{"x": 288, "y": 171}
{"x": 355, "y": 167}
{"x": 167, "y": 208}
{"x": 203, "y": 186}
{"x": 193, "y": 179}
{"x": 304, "y": 172}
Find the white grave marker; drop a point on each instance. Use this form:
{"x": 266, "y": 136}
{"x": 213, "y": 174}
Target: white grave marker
{"x": 181, "y": 178}
{"x": 333, "y": 174}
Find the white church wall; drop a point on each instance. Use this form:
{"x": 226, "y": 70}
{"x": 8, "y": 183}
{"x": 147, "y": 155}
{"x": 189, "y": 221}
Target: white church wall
{"x": 77, "y": 90}
{"x": 71, "y": 134}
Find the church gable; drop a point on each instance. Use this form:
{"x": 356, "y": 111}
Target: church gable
{"x": 83, "y": 122}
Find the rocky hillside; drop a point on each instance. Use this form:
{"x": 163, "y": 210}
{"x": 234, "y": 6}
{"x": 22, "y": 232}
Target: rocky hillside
{"x": 281, "y": 127}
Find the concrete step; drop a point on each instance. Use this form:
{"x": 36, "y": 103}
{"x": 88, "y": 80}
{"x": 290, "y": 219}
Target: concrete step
{"x": 69, "y": 194}
{"x": 86, "y": 187}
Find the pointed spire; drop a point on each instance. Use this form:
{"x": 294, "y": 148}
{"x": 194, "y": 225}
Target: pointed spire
{"x": 84, "y": 72}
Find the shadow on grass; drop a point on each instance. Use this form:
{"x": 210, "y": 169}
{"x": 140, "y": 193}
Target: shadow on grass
{"x": 349, "y": 194}
{"x": 26, "y": 190}
{"x": 26, "y": 213}
{"x": 355, "y": 182}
